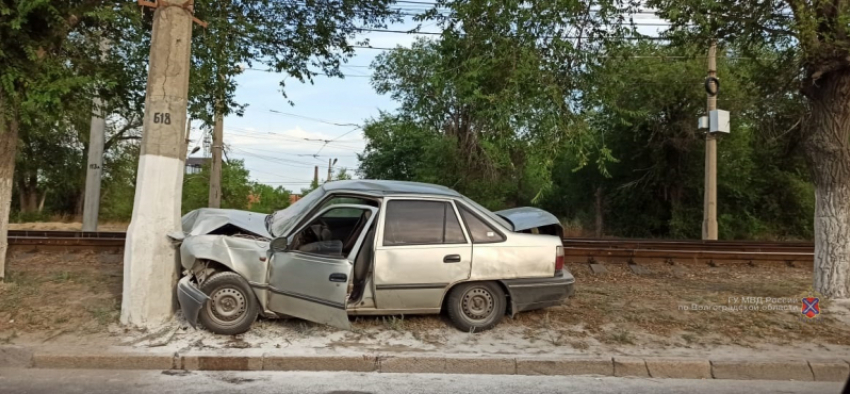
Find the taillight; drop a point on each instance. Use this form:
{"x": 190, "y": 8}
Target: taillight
{"x": 559, "y": 259}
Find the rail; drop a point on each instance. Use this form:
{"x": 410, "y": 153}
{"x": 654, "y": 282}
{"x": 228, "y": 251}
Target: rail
{"x": 576, "y": 249}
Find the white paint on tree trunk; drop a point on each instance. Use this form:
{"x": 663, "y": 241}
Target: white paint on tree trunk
{"x": 148, "y": 252}
{"x": 832, "y": 251}
{"x": 5, "y": 207}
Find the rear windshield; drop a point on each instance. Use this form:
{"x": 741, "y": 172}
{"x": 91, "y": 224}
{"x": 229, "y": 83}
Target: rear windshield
{"x": 492, "y": 216}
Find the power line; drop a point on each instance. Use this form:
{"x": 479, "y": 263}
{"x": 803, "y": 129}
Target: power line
{"x": 314, "y": 119}
{"x": 293, "y": 163}
{"x": 260, "y": 135}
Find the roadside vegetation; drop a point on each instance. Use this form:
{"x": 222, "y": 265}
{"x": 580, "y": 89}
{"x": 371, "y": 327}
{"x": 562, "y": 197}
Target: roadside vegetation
{"x": 58, "y": 300}
{"x": 571, "y": 106}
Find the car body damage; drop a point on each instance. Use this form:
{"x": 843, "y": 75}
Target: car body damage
{"x": 368, "y": 247}
{"x": 237, "y": 240}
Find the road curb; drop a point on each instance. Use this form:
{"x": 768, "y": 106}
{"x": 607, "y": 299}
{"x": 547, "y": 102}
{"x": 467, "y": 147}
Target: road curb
{"x": 110, "y": 360}
{"x": 679, "y": 368}
{"x": 825, "y": 370}
{"x": 762, "y": 370}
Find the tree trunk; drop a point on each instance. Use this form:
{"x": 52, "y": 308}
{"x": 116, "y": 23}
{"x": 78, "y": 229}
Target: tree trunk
{"x": 598, "y": 211}
{"x": 41, "y": 203}
{"x": 8, "y": 147}
{"x": 828, "y": 151}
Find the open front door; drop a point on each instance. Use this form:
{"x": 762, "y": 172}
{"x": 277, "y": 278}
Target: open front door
{"x": 310, "y": 278}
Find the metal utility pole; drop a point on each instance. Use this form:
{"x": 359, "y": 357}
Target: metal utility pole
{"x": 94, "y": 167}
{"x": 709, "y": 223}
{"x": 150, "y": 270}
{"x": 215, "y": 168}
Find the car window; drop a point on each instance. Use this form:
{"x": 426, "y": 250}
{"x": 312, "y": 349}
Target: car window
{"x": 479, "y": 231}
{"x": 417, "y": 222}
{"x": 346, "y": 200}
{"x": 344, "y": 213}
{"x": 333, "y": 233}
{"x": 496, "y": 218}
{"x": 454, "y": 235}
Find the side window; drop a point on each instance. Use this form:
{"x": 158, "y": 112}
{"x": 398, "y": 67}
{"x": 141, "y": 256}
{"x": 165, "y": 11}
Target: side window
{"x": 454, "y": 235}
{"x": 333, "y": 233}
{"x": 480, "y": 232}
{"x": 416, "y": 222}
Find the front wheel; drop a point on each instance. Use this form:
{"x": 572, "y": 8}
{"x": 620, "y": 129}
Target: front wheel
{"x": 477, "y": 306}
{"x": 232, "y": 306}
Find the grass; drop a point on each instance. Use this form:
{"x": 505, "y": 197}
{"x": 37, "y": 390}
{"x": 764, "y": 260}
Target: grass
{"x": 40, "y": 294}
{"x": 622, "y": 337}
{"x": 394, "y": 323}
{"x": 105, "y": 314}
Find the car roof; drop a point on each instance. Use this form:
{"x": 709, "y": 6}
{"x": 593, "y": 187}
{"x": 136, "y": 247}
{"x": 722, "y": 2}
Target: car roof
{"x": 386, "y": 188}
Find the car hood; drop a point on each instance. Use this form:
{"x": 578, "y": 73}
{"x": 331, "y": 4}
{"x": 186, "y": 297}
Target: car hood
{"x": 524, "y": 218}
{"x": 213, "y": 221}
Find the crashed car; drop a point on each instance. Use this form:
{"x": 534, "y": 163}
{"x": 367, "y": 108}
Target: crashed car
{"x": 365, "y": 247}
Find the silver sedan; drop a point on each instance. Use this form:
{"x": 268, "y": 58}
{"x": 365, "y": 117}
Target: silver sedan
{"x": 365, "y": 247}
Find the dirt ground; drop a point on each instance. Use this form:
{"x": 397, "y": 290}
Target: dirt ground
{"x": 675, "y": 310}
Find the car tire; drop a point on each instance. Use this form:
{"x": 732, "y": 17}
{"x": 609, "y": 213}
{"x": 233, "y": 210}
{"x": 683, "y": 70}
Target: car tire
{"x": 476, "y": 306}
{"x": 232, "y": 306}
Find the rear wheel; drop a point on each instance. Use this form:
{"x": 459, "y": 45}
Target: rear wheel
{"x": 232, "y": 307}
{"x": 476, "y": 306}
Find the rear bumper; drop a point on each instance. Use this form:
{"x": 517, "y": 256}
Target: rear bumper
{"x": 537, "y": 293}
{"x": 191, "y": 300}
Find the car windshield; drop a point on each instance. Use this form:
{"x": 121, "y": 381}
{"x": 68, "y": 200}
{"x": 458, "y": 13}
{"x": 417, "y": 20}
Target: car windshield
{"x": 281, "y": 222}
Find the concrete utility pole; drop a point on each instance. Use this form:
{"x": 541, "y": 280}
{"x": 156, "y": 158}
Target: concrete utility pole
{"x": 316, "y": 175}
{"x": 330, "y": 170}
{"x": 709, "y": 223}
{"x": 94, "y": 167}
{"x": 150, "y": 262}
{"x": 330, "y": 166}
{"x": 215, "y": 168}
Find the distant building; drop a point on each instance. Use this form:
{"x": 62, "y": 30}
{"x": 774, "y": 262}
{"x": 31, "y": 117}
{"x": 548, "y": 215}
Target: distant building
{"x": 194, "y": 164}
{"x": 293, "y": 198}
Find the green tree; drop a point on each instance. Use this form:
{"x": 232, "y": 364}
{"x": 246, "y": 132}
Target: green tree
{"x": 314, "y": 184}
{"x": 49, "y": 66}
{"x": 268, "y": 199}
{"x": 812, "y": 35}
{"x": 236, "y": 187}
{"x": 643, "y": 107}
{"x": 301, "y": 39}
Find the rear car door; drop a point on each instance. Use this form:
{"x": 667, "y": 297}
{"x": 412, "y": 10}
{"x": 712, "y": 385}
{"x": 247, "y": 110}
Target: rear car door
{"x": 422, "y": 249}
{"x": 309, "y": 279}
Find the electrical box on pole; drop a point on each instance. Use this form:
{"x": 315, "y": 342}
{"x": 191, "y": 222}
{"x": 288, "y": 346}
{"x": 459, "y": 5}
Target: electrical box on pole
{"x": 718, "y": 121}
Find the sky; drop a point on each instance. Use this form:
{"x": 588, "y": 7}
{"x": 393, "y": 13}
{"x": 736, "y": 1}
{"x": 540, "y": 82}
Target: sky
{"x": 278, "y": 147}
{"x": 282, "y": 148}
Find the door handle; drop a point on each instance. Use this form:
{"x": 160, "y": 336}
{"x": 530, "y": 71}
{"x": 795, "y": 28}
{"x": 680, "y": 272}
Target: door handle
{"x": 337, "y": 277}
{"x": 451, "y": 258}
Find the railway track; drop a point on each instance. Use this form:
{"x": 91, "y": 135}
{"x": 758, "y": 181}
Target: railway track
{"x": 576, "y": 249}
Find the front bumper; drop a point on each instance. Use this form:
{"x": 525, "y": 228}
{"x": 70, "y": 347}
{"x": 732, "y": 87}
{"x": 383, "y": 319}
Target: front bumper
{"x": 191, "y": 300}
{"x": 537, "y": 293}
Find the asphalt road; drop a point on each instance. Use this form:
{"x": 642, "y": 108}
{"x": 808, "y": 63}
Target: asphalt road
{"x": 42, "y": 381}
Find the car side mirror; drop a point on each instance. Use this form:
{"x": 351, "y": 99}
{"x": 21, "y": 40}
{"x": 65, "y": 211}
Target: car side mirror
{"x": 279, "y": 244}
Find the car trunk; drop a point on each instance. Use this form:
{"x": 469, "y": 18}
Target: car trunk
{"x": 532, "y": 220}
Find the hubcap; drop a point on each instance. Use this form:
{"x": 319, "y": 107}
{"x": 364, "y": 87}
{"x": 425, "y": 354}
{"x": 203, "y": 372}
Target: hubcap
{"x": 227, "y": 305}
{"x": 477, "y": 304}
